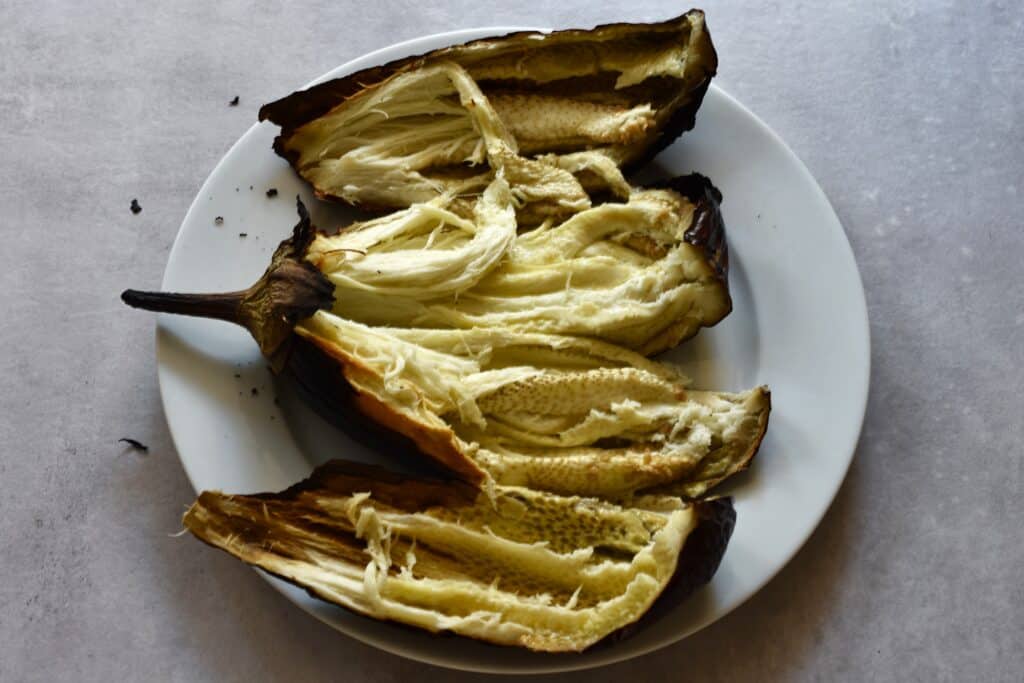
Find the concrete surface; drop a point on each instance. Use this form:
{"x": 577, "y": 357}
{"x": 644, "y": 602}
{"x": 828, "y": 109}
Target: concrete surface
{"x": 908, "y": 113}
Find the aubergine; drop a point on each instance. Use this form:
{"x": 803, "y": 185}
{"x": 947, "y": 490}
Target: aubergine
{"x": 645, "y": 273}
{"x": 511, "y": 566}
{"x": 523, "y": 401}
{"x": 564, "y": 114}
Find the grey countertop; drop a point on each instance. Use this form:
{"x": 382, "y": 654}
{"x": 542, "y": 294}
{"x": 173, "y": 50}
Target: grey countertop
{"x": 908, "y": 113}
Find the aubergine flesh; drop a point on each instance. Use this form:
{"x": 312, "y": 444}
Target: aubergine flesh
{"x": 511, "y": 566}
{"x": 562, "y": 113}
{"x": 644, "y": 273}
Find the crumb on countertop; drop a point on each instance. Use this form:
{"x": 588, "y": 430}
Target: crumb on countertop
{"x": 137, "y": 445}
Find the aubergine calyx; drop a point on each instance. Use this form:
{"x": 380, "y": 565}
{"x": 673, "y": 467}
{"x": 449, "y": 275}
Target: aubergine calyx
{"x": 290, "y": 290}
{"x": 512, "y": 566}
{"x": 563, "y": 113}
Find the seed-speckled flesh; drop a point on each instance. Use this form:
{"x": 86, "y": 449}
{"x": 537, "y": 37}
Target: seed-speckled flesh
{"x": 540, "y": 123}
{"x": 573, "y": 393}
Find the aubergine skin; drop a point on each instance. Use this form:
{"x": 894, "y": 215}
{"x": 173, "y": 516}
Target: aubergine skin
{"x": 300, "y": 108}
{"x": 707, "y": 233}
{"x": 708, "y": 228}
{"x": 698, "y": 562}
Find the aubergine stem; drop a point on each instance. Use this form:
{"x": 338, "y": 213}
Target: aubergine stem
{"x": 217, "y": 306}
{"x": 290, "y": 290}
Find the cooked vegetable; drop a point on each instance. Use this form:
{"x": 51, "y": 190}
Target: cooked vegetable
{"x": 561, "y": 113}
{"x": 512, "y": 567}
{"x": 497, "y": 389}
{"x": 563, "y": 414}
{"x": 500, "y": 323}
{"x": 646, "y": 273}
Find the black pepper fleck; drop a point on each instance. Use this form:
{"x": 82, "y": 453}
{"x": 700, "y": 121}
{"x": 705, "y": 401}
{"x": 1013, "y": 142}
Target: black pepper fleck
{"x": 243, "y": 234}
{"x": 135, "y": 206}
{"x": 219, "y": 220}
{"x": 234, "y": 102}
{"x": 272, "y": 192}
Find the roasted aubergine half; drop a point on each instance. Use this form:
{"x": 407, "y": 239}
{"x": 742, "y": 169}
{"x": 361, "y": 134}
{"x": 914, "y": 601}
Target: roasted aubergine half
{"x": 562, "y": 113}
{"x": 511, "y": 566}
{"x": 511, "y": 357}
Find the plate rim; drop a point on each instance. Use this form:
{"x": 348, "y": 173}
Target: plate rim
{"x": 410, "y": 47}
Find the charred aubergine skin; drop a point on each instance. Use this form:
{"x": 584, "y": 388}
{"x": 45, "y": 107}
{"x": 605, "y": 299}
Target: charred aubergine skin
{"x": 563, "y": 79}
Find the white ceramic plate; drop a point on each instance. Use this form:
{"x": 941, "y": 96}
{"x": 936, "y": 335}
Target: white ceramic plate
{"x": 799, "y": 324}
